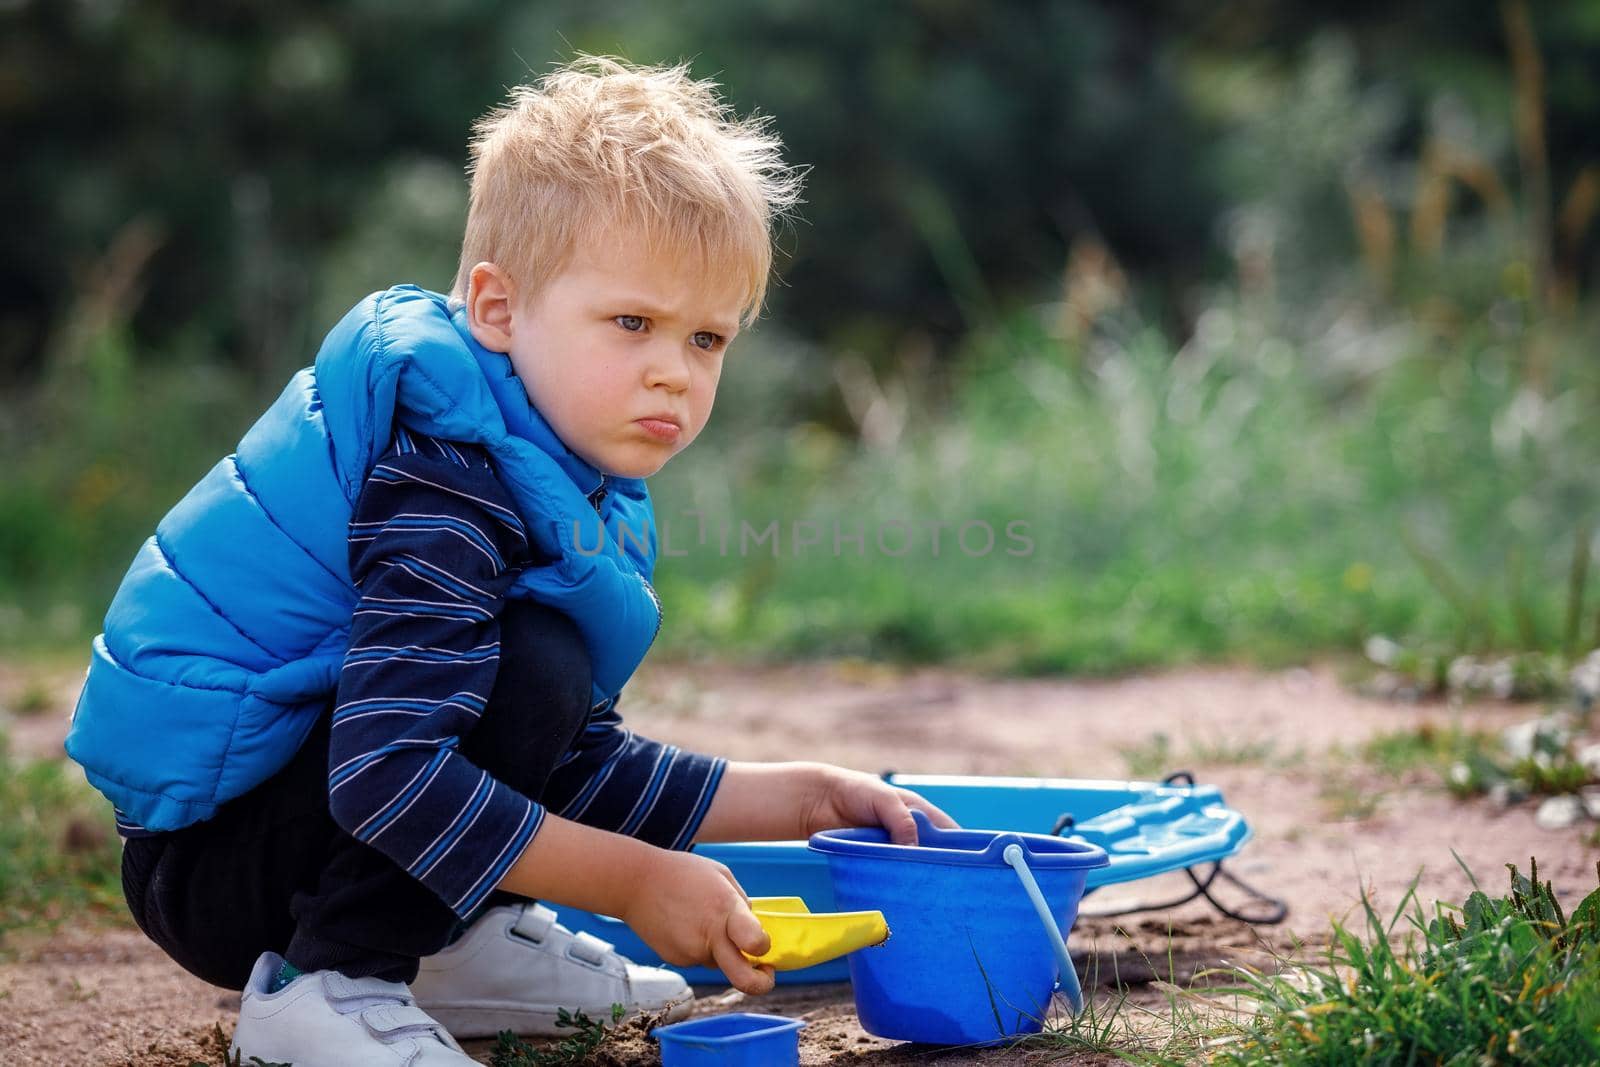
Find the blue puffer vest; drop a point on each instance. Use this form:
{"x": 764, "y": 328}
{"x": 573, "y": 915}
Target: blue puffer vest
{"x": 227, "y": 635}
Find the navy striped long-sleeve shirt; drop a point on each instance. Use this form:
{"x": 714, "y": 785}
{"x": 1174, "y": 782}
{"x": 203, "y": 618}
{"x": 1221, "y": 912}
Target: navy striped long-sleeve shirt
{"x": 435, "y": 543}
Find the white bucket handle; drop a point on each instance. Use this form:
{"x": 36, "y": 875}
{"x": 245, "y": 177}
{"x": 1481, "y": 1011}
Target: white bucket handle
{"x": 1070, "y": 988}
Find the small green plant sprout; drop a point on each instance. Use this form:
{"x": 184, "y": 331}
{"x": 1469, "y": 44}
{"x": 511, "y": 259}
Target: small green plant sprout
{"x": 1401, "y": 752}
{"x": 219, "y": 1041}
{"x": 1505, "y": 980}
{"x": 1346, "y": 798}
{"x": 1149, "y": 758}
{"x": 1221, "y": 751}
{"x": 235, "y": 1061}
{"x": 512, "y": 1051}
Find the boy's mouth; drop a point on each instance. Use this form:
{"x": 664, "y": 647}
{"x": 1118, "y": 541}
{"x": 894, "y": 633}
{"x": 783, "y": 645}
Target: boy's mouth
{"x": 662, "y": 427}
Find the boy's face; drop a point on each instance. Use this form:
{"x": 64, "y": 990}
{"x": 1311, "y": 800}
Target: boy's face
{"x": 620, "y": 351}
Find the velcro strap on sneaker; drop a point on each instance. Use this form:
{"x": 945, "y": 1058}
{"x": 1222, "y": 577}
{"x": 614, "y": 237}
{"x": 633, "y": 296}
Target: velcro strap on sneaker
{"x": 589, "y": 948}
{"x": 392, "y": 1023}
{"x": 534, "y": 923}
{"x": 340, "y": 988}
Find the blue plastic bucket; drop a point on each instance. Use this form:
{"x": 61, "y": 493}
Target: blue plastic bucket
{"x": 976, "y": 928}
{"x": 740, "y": 1039}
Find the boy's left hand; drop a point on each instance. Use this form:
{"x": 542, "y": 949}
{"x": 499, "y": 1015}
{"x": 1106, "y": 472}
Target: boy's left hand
{"x": 843, "y": 797}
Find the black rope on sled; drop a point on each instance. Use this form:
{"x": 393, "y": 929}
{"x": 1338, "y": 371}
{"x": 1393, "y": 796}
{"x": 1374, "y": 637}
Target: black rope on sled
{"x": 1278, "y": 910}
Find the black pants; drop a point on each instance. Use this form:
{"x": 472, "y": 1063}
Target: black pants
{"x": 273, "y": 871}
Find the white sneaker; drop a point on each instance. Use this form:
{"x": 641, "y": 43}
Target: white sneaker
{"x": 323, "y": 1019}
{"x": 515, "y": 966}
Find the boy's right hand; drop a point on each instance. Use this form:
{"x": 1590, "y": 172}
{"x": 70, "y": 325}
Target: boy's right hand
{"x": 691, "y": 911}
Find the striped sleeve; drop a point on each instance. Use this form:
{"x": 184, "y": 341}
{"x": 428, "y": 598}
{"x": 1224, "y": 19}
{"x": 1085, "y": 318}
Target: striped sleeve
{"x": 616, "y": 780}
{"x": 434, "y": 545}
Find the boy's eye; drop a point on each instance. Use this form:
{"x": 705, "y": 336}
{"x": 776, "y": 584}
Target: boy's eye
{"x": 631, "y": 323}
{"x": 707, "y": 340}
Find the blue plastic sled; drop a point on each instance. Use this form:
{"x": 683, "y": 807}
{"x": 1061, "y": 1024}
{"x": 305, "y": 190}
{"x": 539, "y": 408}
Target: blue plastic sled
{"x": 1146, "y": 829}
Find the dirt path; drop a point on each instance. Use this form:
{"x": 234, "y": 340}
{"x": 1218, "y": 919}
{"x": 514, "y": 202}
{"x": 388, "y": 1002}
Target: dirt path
{"x": 1277, "y": 744}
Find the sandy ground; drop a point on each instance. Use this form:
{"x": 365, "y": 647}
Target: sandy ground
{"x": 1277, "y": 744}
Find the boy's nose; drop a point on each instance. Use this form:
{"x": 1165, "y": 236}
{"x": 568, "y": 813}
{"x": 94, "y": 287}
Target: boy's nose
{"x": 668, "y": 367}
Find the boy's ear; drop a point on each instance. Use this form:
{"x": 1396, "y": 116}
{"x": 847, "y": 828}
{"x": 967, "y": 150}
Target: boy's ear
{"x": 489, "y": 305}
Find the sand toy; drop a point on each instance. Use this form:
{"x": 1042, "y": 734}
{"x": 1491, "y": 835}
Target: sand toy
{"x": 980, "y": 919}
{"x": 740, "y": 1039}
{"x": 801, "y": 938}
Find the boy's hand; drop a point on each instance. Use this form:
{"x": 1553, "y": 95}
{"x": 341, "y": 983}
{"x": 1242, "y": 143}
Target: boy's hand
{"x": 852, "y": 798}
{"x": 691, "y": 911}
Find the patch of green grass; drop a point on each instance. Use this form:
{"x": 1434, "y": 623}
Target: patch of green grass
{"x": 1550, "y": 778}
{"x": 1113, "y": 1023}
{"x": 1431, "y": 669}
{"x": 59, "y": 857}
{"x": 1426, "y": 747}
{"x": 1346, "y": 797}
{"x": 1508, "y": 979}
{"x": 1150, "y": 758}
{"x": 1473, "y": 762}
{"x": 1544, "y": 667}
{"x": 35, "y": 698}
{"x": 1155, "y": 756}
{"x": 1226, "y": 752}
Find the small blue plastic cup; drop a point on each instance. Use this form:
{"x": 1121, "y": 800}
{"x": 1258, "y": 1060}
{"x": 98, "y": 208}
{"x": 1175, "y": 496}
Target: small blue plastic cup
{"x": 740, "y": 1039}
{"x": 977, "y": 926}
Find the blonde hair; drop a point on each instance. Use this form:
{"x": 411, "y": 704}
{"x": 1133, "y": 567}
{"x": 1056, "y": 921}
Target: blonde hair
{"x": 599, "y": 142}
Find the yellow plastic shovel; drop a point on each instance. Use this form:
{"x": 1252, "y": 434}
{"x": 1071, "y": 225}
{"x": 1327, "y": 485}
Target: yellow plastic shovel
{"x": 801, "y": 939}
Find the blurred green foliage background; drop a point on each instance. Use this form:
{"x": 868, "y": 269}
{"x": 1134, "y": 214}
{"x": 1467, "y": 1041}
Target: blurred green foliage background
{"x": 1272, "y": 322}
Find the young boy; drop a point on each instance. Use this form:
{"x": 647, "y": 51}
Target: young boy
{"x": 356, "y": 700}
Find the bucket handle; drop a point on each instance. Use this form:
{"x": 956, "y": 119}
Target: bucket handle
{"x": 1014, "y": 855}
